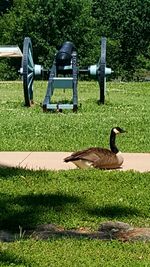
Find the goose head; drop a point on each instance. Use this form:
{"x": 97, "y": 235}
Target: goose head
{"x": 117, "y": 130}
{"x": 114, "y": 132}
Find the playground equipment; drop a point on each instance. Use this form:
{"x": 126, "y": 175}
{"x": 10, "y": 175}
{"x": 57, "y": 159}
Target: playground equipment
{"x": 63, "y": 74}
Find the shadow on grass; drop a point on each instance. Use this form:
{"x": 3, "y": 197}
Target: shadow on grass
{"x": 11, "y": 260}
{"x": 7, "y": 172}
{"x": 29, "y": 210}
{"x": 34, "y": 209}
{"x": 114, "y": 211}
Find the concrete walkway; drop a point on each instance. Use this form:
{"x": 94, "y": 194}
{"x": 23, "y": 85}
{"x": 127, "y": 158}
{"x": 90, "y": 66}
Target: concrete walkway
{"x": 54, "y": 161}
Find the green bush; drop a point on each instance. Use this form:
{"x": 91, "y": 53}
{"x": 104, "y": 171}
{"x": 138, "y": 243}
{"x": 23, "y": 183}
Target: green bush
{"x": 126, "y": 25}
{"x": 7, "y": 71}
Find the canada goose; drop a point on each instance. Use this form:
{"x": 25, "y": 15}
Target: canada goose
{"x": 96, "y": 157}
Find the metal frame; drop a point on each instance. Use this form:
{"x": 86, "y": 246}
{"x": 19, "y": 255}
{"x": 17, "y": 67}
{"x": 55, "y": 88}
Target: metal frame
{"x": 28, "y": 71}
{"x": 101, "y": 71}
{"x": 56, "y": 82}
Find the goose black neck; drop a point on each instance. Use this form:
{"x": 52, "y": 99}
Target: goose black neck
{"x": 113, "y": 146}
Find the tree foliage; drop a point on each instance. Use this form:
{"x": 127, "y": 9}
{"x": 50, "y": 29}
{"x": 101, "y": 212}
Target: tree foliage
{"x": 126, "y": 23}
{"x": 49, "y": 23}
{"x": 5, "y": 5}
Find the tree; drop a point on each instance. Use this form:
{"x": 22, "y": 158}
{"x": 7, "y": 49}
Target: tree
{"x": 5, "y": 5}
{"x": 127, "y": 23}
{"x": 49, "y": 23}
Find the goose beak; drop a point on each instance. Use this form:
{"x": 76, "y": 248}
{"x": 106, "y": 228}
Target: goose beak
{"x": 123, "y": 131}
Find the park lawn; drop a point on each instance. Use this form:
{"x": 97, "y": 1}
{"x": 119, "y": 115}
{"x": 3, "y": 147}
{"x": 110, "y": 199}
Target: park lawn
{"x": 29, "y": 129}
{"x": 74, "y": 198}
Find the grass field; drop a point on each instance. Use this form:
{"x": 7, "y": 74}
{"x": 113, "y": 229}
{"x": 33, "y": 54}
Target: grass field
{"x": 75, "y": 198}
{"x": 127, "y": 106}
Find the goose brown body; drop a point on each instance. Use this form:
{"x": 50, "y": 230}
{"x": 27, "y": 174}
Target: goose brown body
{"x": 96, "y": 157}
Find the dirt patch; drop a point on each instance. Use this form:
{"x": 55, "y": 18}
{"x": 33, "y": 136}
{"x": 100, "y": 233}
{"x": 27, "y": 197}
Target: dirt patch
{"x": 107, "y": 231}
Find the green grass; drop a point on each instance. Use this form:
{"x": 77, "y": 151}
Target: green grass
{"x": 74, "y": 198}
{"x": 25, "y": 129}
{"x": 70, "y": 252}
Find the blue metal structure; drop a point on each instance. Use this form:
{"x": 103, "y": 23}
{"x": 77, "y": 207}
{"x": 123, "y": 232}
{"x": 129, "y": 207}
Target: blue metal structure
{"x": 63, "y": 74}
{"x": 65, "y": 63}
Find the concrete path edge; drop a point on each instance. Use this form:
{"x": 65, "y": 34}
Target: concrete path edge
{"x": 54, "y": 161}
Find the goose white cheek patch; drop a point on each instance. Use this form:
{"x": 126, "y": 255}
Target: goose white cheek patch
{"x": 116, "y": 131}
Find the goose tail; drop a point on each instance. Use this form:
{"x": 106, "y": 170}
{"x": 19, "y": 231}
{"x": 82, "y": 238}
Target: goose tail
{"x": 67, "y": 159}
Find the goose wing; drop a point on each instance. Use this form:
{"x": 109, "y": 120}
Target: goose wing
{"x": 86, "y": 154}
{"x": 99, "y": 157}
{"x": 107, "y": 160}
